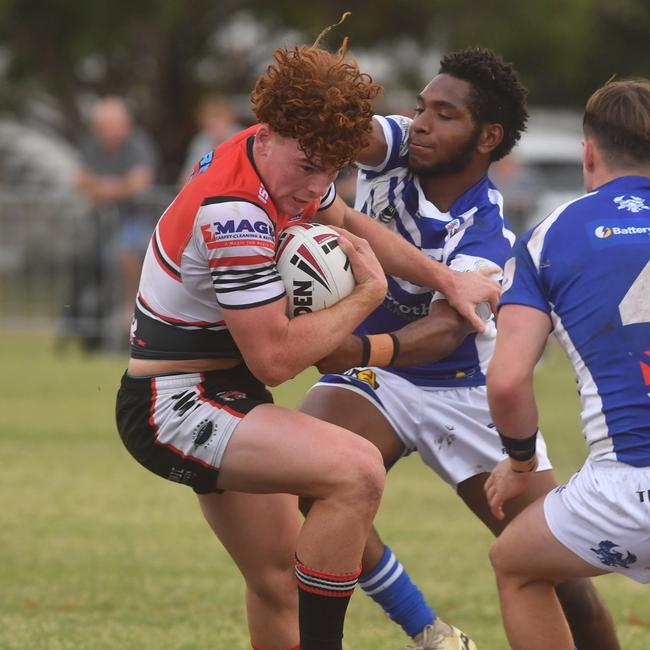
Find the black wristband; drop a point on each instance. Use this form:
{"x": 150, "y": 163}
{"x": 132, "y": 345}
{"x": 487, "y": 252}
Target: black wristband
{"x": 365, "y": 350}
{"x": 395, "y": 348}
{"x": 520, "y": 448}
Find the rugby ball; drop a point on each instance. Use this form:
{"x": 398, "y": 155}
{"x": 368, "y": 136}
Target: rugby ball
{"x": 315, "y": 271}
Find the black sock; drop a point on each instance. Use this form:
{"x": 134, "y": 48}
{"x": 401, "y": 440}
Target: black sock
{"x": 322, "y": 602}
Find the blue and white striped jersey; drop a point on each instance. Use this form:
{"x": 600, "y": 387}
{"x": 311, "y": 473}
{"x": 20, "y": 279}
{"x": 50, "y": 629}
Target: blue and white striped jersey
{"x": 587, "y": 266}
{"x": 471, "y": 233}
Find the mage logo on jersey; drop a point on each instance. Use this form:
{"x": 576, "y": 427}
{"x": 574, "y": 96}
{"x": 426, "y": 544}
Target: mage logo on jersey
{"x": 602, "y": 232}
{"x": 235, "y": 232}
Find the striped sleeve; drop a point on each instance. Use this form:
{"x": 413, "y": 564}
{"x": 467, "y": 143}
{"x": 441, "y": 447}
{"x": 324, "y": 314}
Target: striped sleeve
{"x": 238, "y": 239}
{"x": 396, "y": 133}
{"x": 476, "y": 239}
{"x": 328, "y": 198}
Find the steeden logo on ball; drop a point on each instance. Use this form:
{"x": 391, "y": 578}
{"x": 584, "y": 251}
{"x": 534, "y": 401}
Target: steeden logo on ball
{"x": 315, "y": 271}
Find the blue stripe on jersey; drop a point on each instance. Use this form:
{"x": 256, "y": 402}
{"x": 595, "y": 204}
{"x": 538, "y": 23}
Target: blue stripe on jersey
{"x": 397, "y": 126}
{"x": 393, "y": 198}
{"x": 590, "y": 265}
{"x": 396, "y": 131}
{"x": 399, "y": 224}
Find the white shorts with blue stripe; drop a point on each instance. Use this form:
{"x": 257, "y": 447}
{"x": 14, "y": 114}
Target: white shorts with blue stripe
{"x": 451, "y": 428}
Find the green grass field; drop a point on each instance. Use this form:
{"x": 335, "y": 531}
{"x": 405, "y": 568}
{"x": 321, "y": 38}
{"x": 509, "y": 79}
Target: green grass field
{"x": 97, "y": 554}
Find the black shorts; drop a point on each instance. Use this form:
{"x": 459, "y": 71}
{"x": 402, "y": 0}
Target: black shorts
{"x": 178, "y": 426}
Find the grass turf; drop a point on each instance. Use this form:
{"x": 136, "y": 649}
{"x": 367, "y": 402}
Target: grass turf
{"x": 97, "y": 554}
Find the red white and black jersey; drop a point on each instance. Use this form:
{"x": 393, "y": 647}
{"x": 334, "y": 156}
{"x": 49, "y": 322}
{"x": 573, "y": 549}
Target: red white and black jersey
{"x": 213, "y": 247}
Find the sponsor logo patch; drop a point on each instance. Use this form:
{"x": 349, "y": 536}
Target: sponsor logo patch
{"x": 203, "y": 432}
{"x": 238, "y": 232}
{"x": 369, "y": 377}
{"x": 631, "y": 203}
{"x": 262, "y": 194}
{"x": 624, "y": 231}
{"x": 609, "y": 556}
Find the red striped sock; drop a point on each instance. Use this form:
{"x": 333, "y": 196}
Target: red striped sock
{"x": 322, "y": 602}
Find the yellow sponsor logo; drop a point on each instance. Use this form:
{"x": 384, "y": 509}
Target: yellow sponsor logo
{"x": 369, "y": 377}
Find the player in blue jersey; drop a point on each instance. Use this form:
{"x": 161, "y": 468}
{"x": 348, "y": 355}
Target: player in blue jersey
{"x": 418, "y": 370}
{"x": 583, "y": 273}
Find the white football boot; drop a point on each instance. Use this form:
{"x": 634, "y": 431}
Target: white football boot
{"x": 441, "y": 636}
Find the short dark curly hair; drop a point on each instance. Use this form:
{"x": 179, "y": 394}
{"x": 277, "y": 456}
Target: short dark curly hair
{"x": 497, "y": 94}
{"x": 319, "y": 99}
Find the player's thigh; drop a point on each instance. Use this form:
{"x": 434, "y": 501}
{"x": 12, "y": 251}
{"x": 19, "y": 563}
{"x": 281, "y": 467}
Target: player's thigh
{"x": 528, "y": 550}
{"x": 274, "y": 449}
{"x": 259, "y": 531}
{"x": 601, "y": 516}
{"x": 356, "y": 413}
{"x": 472, "y": 493}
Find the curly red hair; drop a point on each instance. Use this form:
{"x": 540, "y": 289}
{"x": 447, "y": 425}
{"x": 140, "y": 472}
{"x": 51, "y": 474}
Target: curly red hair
{"x": 318, "y": 99}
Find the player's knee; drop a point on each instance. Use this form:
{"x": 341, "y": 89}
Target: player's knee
{"x": 499, "y": 558}
{"x": 274, "y": 586}
{"x": 364, "y": 476}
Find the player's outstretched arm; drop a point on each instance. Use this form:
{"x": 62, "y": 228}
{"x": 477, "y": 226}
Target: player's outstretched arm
{"x": 375, "y": 151}
{"x": 467, "y": 291}
{"x": 425, "y": 340}
{"x": 398, "y": 257}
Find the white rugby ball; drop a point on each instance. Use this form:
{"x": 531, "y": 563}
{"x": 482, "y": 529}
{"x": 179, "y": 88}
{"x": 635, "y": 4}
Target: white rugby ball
{"x": 315, "y": 271}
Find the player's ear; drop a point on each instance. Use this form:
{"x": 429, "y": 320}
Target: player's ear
{"x": 588, "y": 154}
{"x": 263, "y": 139}
{"x": 489, "y": 138}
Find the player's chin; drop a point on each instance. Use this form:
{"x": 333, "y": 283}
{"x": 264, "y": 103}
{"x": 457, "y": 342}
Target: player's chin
{"x": 419, "y": 163}
{"x": 293, "y": 205}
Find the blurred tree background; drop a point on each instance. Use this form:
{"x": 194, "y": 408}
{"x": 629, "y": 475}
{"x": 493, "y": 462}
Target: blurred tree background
{"x": 57, "y": 56}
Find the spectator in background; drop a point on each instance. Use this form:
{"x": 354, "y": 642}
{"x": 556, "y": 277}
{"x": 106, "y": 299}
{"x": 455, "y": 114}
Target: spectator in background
{"x": 118, "y": 166}
{"x": 217, "y": 120}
